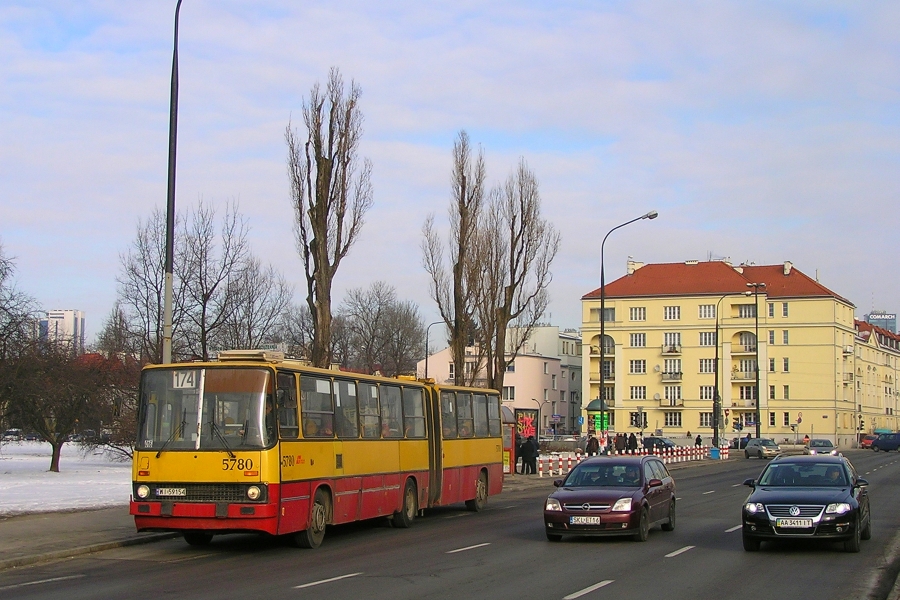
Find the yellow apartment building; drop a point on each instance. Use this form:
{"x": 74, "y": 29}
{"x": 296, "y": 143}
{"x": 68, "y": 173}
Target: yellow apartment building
{"x": 873, "y": 380}
{"x": 666, "y": 324}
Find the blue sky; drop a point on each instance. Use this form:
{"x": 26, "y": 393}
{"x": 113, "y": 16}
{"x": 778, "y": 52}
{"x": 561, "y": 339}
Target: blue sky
{"x": 763, "y": 132}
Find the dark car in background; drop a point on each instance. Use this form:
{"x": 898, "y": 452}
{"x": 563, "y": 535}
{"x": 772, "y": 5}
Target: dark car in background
{"x": 886, "y": 442}
{"x": 807, "y": 497}
{"x": 606, "y": 495}
{"x": 652, "y": 442}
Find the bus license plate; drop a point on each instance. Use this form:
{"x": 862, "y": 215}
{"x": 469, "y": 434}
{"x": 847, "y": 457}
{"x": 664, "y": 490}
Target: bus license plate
{"x": 798, "y": 523}
{"x": 584, "y": 520}
{"x": 171, "y": 492}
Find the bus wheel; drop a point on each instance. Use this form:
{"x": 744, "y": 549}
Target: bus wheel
{"x": 197, "y": 538}
{"x": 481, "y": 494}
{"x": 313, "y": 536}
{"x": 404, "y": 518}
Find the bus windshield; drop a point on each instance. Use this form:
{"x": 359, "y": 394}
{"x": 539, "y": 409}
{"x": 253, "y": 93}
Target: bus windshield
{"x": 224, "y": 409}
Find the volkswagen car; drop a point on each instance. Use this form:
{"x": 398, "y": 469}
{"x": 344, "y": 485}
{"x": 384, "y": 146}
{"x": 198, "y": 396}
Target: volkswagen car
{"x": 807, "y": 497}
{"x": 612, "y": 495}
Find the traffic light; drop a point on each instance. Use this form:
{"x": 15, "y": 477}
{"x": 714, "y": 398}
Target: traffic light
{"x": 862, "y": 424}
{"x": 793, "y": 428}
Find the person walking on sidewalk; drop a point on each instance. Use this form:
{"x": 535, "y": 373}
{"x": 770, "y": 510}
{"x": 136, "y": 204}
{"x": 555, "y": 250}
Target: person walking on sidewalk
{"x": 593, "y": 445}
{"x": 699, "y": 441}
{"x": 529, "y": 456}
{"x": 632, "y": 443}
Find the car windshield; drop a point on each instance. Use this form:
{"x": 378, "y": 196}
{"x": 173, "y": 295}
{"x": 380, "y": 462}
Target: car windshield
{"x": 804, "y": 475}
{"x": 605, "y": 474}
{"x": 767, "y": 443}
{"x": 820, "y": 444}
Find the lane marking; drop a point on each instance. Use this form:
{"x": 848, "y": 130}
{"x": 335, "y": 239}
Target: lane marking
{"x": 468, "y": 548}
{"x": 588, "y": 590}
{"x": 465, "y": 514}
{"x": 179, "y": 560}
{"x": 508, "y": 507}
{"x": 21, "y": 585}
{"x": 709, "y": 492}
{"x": 735, "y": 528}
{"x": 737, "y": 485}
{"x": 306, "y": 585}
{"x": 679, "y": 551}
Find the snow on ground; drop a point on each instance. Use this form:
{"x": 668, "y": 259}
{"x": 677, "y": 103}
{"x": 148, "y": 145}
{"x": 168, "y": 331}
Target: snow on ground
{"x": 28, "y": 486}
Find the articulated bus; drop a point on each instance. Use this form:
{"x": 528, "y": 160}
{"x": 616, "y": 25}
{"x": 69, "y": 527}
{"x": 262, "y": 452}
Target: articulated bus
{"x": 254, "y": 442}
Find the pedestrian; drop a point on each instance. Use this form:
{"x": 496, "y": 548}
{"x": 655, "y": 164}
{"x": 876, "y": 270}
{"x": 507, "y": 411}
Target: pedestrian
{"x": 593, "y": 445}
{"x": 805, "y": 440}
{"x": 621, "y": 443}
{"x": 529, "y": 455}
{"x": 518, "y": 455}
{"x": 632, "y": 443}
{"x": 698, "y": 442}
{"x": 689, "y": 434}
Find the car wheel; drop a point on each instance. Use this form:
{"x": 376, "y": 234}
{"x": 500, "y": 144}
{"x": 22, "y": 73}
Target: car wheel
{"x": 670, "y": 524}
{"x": 852, "y": 545}
{"x": 750, "y": 544}
{"x": 553, "y": 537}
{"x": 643, "y": 527}
{"x": 481, "y": 494}
{"x": 197, "y": 538}
{"x": 746, "y": 454}
{"x": 313, "y": 536}
{"x": 404, "y": 518}
{"x": 759, "y": 455}
{"x": 866, "y": 533}
{"x": 875, "y": 448}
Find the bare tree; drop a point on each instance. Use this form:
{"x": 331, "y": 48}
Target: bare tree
{"x": 17, "y": 310}
{"x": 365, "y": 313}
{"x": 519, "y": 245}
{"x": 331, "y": 192}
{"x": 260, "y": 298}
{"x": 450, "y": 288}
{"x": 405, "y": 340}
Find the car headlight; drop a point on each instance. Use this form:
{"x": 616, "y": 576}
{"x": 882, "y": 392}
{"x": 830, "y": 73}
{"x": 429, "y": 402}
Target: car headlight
{"x": 834, "y": 452}
{"x": 253, "y": 492}
{"x": 754, "y": 507}
{"x": 838, "y": 508}
{"x": 622, "y": 505}
{"x": 811, "y": 451}
{"x": 143, "y": 491}
{"x": 552, "y": 504}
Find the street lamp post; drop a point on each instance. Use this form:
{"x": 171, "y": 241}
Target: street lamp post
{"x": 717, "y": 398}
{"x": 540, "y": 424}
{"x": 428, "y": 329}
{"x": 756, "y": 287}
{"x": 650, "y": 215}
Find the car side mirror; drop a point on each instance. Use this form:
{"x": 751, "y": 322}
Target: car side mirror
{"x": 654, "y": 483}
{"x": 750, "y": 483}
{"x": 557, "y": 482}
{"x": 862, "y": 482}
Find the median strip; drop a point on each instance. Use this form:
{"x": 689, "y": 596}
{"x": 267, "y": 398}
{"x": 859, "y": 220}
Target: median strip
{"x": 588, "y": 590}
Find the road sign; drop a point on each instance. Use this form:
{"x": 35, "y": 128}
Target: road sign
{"x": 555, "y": 418}
{"x": 581, "y": 420}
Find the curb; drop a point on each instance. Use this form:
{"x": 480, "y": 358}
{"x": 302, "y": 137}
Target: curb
{"x": 23, "y": 561}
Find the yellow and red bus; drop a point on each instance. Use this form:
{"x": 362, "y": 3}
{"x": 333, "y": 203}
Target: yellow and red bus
{"x": 254, "y": 442}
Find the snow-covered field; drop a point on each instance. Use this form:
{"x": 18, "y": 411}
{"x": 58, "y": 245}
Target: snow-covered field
{"x": 28, "y": 486}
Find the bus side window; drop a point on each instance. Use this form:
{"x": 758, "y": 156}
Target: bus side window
{"x": 391, "y": 415}
{"x": 316, "y": 404}
{"x": 286, "y": 399}
{"x": 368, "y": 410}
{"x": 345, "y": 409}
{"x": 448, "y": 415}
{"x": 481, "y": 416}
{"x": 464, "y": 415}
{"x": 493, "y": 406}
{"x": 413, "y": 412}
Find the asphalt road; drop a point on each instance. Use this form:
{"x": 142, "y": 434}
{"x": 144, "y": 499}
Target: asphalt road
{"x": 502, "y": 553}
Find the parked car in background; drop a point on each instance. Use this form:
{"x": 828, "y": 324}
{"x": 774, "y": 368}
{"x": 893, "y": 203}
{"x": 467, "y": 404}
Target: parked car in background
{"x": 866, "y": 441}
{"x": 652, "y": 442}
{"x": 886, "y": 442}
{"x": 13, "y": 435}
{"x": 761, "y": 448}
{"x": 820, "y": 447}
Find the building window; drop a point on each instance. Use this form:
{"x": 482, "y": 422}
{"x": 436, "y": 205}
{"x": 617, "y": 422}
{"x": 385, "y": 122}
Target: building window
{"x": 673, "y": 395}
{"x": 546, "y": 369}
{"x": 787, "y": 365}
{"x": 772, "y": 337}
{"x": 748, "y": 341}
{"x": 784, "y": 337}
{"x": 771, "y": 392}
{"x": 771, "y": 365}
{"x": 452, "y": 371}
{"x": 553, "y": 381}
{"x": 746, "y": 311}
{"x": 671, "y": 313}
{"x": 784, "y": 309}
{"x": 609, "y": 314}
{"x": 608, "y": 392}
{"x": 748, "y": 392}
{"x": 511, "y": 367}
{"x": 546, "y": 395}
{"x": 638, "y": 340}
{"x": 509, "y": 393}
{"x": 636, "y": 420}
{"x": 706, "y": 419}
{"x": 787, "y": 392}
{"x": 707, "y": 365}
{"x": 787, "y": 419}
{"x": 707, "y": 392}
{"x": 771, "y": 419}
{"x": 673, "y": 419}
{"x": 707, "y": 311}
{"x": 707, "y": 338}
{"x": 672, "y": 340}
{"x": 637, "y": 367}
{"x": 607, "y": 369}
{"x": 638, "y": 392}
{"x": 672, "y": 366}
{"x": 637, "y": 313}
{"x": 771, "y": 310}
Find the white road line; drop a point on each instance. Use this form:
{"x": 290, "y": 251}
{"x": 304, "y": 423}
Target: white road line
{"x": 735, "y": 528}
{"x": 179, "y": 560}
{"x": 588, "y": 590}
{"x": 737, "y": 485}
{"x": 468, "y": 548}
{"x": 465, "y": 514}
{"x": 306, "y": 585}
{"x": 867, "y": 472}
{"x": 508, "y": 507}
{"x": 709, "y": 492}
{"x": 679, "y": 551}
{"x": 21, "y": 585}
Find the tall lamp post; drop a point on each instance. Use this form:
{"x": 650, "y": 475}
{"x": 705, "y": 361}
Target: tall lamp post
{"x": 756, "y": 287}
{"x": 427, "y": 329}
{"x": 650, "y": 215}
{"x": 717, "y": 398}
{"x": 170, "y": 201}
{"x": 537, "y": 430}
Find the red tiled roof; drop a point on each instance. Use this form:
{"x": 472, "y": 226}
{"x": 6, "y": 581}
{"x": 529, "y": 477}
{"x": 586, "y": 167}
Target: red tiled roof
{"x": 713, "y": 278}
{"x": 865, "y": 326}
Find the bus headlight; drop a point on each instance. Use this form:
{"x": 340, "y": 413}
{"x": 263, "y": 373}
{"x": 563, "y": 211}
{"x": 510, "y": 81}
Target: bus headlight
{"x": 143, "y": 491}
{"x": 253, "y": 492}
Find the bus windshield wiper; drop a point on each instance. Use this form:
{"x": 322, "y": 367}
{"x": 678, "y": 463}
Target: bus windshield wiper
{"x": 215, "y": 430}
{"x": 176, "y": 432}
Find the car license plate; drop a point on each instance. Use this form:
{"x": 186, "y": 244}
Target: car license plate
{"x": 584, "y": 520}
{"x": 798, "y": 523}
{"x": 171, "y": 492}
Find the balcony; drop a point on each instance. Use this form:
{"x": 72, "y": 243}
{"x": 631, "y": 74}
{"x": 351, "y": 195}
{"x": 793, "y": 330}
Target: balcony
{"x": 743, "y": 375}
{"x": 747, "y": 403}
{"x": 663, "y": 403}
{"x": 743, "y": 349}
{"x": 671, "y": 376}
{"x": 848, "y": 377}
{"x": 595, "y": 377}
{"x": 671, "y": 348}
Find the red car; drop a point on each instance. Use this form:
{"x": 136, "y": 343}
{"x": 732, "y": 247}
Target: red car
{"x": 612, "y": 495}
{"x": 866, "y": 441}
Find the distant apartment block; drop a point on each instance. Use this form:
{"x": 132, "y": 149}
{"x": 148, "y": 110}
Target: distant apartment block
{"x": 883, "y": 320}
{"x": 64, "y": 326}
